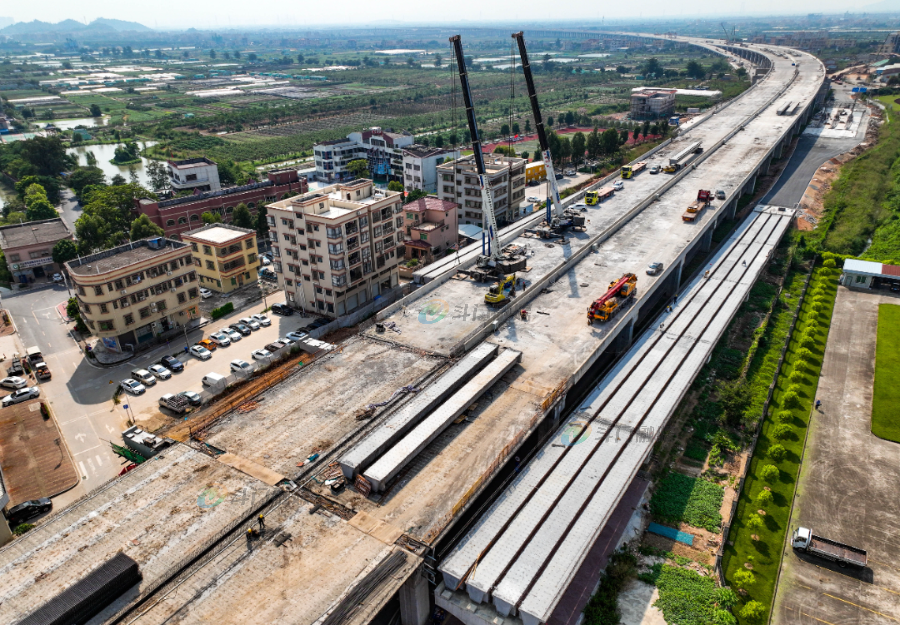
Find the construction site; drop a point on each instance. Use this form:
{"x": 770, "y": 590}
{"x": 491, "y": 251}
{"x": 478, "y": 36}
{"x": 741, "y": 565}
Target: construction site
{"x": 453, "y": 431}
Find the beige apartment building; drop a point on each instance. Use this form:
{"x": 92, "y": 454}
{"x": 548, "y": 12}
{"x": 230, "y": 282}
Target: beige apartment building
{"x": 225, "y": 256}
{"x": 458, "y": 183}
{"x": 335, "y": 249}
{"x": 130, "y": 294}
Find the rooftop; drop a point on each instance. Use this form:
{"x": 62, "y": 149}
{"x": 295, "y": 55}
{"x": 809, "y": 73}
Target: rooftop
{"x": 201, "y": 161}
{"x": 423, "y": 151}
{"x": 33, "y": 233}
{"x": 218, "y": 234}
{"x": 123, "y": 256}
{"x": 431, "y": 203}
{"x": 492, "y": 162}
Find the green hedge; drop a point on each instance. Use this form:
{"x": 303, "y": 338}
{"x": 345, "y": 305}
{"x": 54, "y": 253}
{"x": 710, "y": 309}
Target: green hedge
{"x": 221, "y": 311}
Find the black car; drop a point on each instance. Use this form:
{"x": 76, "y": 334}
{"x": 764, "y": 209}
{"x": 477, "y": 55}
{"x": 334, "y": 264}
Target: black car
{"x": 282, "y": 309}
{"x": 172, "y": 364}
{"x": 240, "y": 328}
{"x": 28, "y": 510}
{"x": 318, "y": 323}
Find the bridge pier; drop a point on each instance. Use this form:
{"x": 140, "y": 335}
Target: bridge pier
{"x": 705, "y": 243}
{"x": 415, "y": 600}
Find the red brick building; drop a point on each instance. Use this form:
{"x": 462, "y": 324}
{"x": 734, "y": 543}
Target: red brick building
{"x": 179, "y": 215}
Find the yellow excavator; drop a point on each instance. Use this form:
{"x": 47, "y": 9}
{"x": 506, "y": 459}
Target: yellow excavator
{"x": 501, "y": 291}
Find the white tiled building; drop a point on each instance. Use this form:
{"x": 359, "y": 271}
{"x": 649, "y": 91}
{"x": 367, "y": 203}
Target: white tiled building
{"x": 420, "y": 166}
{"x": 335, "y": 249}
{"x": 458, "y": 182}
{"x": 382, "y": 150}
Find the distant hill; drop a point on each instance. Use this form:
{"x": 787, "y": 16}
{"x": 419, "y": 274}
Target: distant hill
{"x": 71, "y": 26}
{"x": 885, "y": 6}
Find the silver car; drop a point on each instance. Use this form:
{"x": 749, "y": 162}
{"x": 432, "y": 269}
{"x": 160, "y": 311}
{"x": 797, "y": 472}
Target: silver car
{"x": 23, "y": 394}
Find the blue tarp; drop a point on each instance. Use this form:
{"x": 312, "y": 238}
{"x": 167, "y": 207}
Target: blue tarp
{"x": 671, "y": 532}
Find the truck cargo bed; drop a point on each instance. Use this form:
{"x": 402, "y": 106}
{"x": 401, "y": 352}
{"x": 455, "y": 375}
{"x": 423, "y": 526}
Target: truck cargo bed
{"x": 838, "y": 551}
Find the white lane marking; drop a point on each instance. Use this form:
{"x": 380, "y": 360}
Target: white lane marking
{"x": 83, "y": 471}
{"x": 78, "y": 453}
{"x": 99, "y": 461}
{"x": 91, "y": 465}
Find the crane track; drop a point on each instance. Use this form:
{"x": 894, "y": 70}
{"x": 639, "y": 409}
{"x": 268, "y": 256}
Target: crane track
{"x": 716, "y": 270}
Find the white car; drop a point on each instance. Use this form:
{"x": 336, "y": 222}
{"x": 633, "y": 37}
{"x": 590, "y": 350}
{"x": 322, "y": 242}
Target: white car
{"x": 23, "y": 394}
{"x": 200, "y": 352}
{"x": 204, "y": 292}
{"x": 265, "y": 261}
{"x": 618, "y": 185}
{"x": 221, "y": 339}
{"x": 57, "y": 277}
{"x": 13, "y": 382}
{"x": 533, "y": 199}
{"x": 234, "y": 335}
{"x": 286, "y": 341}
{"x": 132, "y": 386}
{"x": 296, "y": 336}
{"x": 261, "y": 354}
{"x": 253, "y": 324}
{"x": 159, "y": 372}
{"x": 241, "y": 365}
{"x": 262, "y": 320}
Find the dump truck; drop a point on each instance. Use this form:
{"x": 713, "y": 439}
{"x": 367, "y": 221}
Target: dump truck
{"x": 501, "y": 291}
{"x": 629, "y": 171}
{"x": 704, "y": 197}
{"x": 804, "y": 540}
{"x": 620, "y": 292}
{"x": 36, "y": 360}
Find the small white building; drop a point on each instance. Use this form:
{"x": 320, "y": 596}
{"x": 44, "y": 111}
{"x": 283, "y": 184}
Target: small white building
{"x": 865, "y": 274}
{"x": 194, "y": 173}
{"x": 381, "y": 149}
{"x": 420, "y": 166}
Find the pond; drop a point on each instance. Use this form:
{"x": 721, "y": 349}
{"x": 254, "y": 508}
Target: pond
{"x": 105, "y": 153}
{"x": 87, "y": 122}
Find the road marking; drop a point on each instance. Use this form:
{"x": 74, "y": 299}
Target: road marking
{"x": 802, "y": 586}
{"x": 883, "y": 564}
{"x": 815, "y": 618}
{"x": 888, "y": 590}
{"x": 81, "y": 436}
{"x": 78, "y": 453}
{"x": 83, "y": 471}
{"x": 99, "y": 461}
{"x": 91, "y": 465}
{"x": 862, "y": 607}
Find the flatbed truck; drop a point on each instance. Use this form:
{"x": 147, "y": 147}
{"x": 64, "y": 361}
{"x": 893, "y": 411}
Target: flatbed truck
{"x": 629, "y": 171}
{"x": 36, "y": 360}
{"x": 704, "y": 197}
{"x": 804, "y": 540}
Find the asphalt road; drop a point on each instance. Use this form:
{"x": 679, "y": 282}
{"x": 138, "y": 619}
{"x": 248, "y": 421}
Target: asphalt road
{"x": 80, "y": 392}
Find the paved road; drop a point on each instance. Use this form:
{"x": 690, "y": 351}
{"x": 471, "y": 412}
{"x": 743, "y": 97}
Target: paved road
{"x": 81, "y": 394}
{"x": 810, "y": 154}
{"x": 69, "y": 208}
{"x": 848, "y": 486}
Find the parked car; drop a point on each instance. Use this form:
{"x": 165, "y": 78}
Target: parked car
{"x": 159, "y": 372}
{"x": 200, "y": 352}
{"x": 192, "y": 397}
{"x": 318, "y": 323}
{"x": 282, "y": 309}
{"x": 559, "y": 176}
{"x": 286, "y": 341}
{"x": 143, "y": 376}
{"x": 654, "y": 268}
{"x": 241, "y": 366}
{"x": 654, "y": 169}
{"x": 57, "y": 277}
{"x": 234, "y": 335}
{"x": 28, "y": 510}
{"x": 532, "y": 199}
{"x": 209, "y": 344}
{"x": 274, "y": 346}
{"x": 262, "y": 320}
{"x": 265, "y": 261}
{"x": 252, "y": 323}
{"x": 241, "y": 328}
{"x": 720, "y": 194}
{"x": 220, "y": 338}
{"x": 13, "y": 382}
{"x": 261, "y": 354}
{"x": 205, "y": 293}
{"x": 132, "y": 386}
{"x": 172, "y": 364}
{"x": 297, "y": 336}
{"x": 618, "y": 185}
{"x": 23, "y": 394}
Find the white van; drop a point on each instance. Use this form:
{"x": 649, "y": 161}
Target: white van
{"x": 215, "y": 381}
{"x": 143, "y": 376}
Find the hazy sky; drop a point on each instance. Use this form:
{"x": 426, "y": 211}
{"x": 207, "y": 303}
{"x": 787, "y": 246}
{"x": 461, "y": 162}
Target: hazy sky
{"x": 212, "y": 14}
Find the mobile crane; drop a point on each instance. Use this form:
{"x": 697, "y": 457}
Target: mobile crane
{"x": 619, "y": 293}
{"x": 491, "y": 263}
{"x": 557, "y": 219}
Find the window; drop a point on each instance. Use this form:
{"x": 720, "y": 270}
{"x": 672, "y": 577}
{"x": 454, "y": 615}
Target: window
{"x": 399, "y": 222}
{"x": 129, "y": 319}
{"x": 181, "y": 298}
{"x": 859, "y": 279}
{"x": 287, "y": 222}
{"x": 182, "y": 220}
{"x": 249, "y": 244}
{"x": 229, "y": 210}
{"x": 194, "y": 247}
{"x": 170, "y": 222}
{"x": 14, "y": 257}
{"x": 144, "y": 312}
{"x": 193, "y": 293}
{"x": 195, "y": 217}
{"x": 251, "y": 258}
{"x": 207, "y": 250}
{"x": 190, "y": 177}
{"x": 106, "y": 326}
{"x": 210, "y": 265}
{"x": 104, "y": 309}
{"x": 197, "y": 262}
{"x": 98, "y": 290}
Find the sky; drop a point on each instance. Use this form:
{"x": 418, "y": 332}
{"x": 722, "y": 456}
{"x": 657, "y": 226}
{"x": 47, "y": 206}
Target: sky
{"x": 222, "y": 14}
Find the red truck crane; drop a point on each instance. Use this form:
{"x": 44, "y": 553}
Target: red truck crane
{"x": 704, "y": 197}
{"x": 620, "y": 291}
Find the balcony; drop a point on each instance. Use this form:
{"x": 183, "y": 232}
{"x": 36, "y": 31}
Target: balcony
{"x": 352, "y": 243}
{"x": 354, "y": 259}
{"x": 356, "y": 275}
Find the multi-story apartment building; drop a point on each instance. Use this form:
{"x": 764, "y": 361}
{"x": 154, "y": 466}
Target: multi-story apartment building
{"x": 420, "y": 166}
{"x": 431, "y": 226}
{"x": 653, "y": 104}
{"x": 382, "y": 149}
{"x": 458, "y": 183}
{"x": 28, "y": 248}
{"x": 225, "y": 256}
{"x": 194, "y": 173}
{"x": 335, "y": 249}
{"x": 129, "y": 294}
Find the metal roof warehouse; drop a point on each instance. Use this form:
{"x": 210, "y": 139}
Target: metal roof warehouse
{"x": 864, "y": 274}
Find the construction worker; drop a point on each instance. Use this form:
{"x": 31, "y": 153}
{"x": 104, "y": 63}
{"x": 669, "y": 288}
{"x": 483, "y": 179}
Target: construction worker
{"x": 249, "y": 538}
{"x": 262, "y": 522}
{"x": 524, "y": 314}
{"x": 706, "y": 275}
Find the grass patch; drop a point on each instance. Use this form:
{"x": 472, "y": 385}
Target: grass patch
{"x": 885, "y": 423}
{"x": 765, "y": 554}
{"x": 691, "y": 500}
{"x": 696, "y": 451}
{"x": 603, "y": 608}
{"x": 688, "y": 598}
